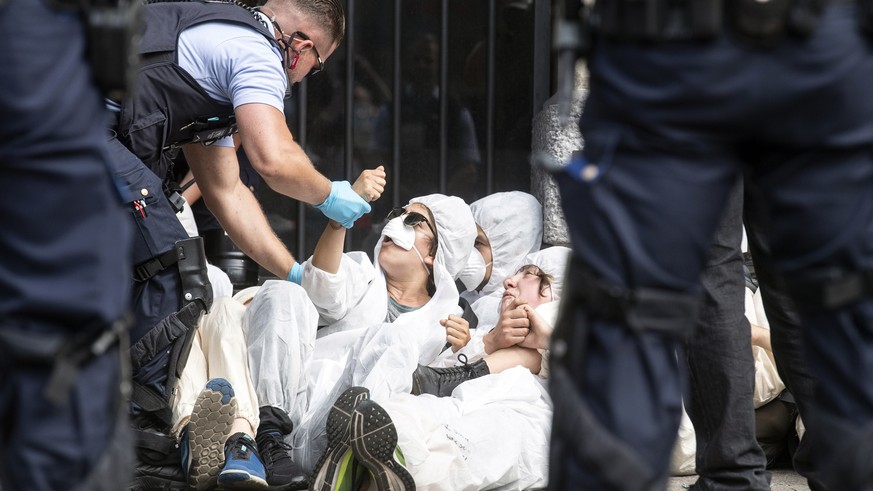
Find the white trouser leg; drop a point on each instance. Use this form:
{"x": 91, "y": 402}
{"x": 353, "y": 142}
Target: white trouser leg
{"x": 191, "y": 382}
{"x": 218, "y": 351}
{"x": 280, "y": 326}
{"x": 224, "y": 345}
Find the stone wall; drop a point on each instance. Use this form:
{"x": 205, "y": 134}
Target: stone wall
{"x": 555, "y": 143}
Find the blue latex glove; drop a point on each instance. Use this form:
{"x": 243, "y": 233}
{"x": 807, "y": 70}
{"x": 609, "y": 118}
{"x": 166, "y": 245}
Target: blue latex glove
{"x": 343, "y": 205}
{"x": 296, "y": 273}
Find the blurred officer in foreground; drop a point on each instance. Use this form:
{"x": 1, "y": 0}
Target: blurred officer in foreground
{"x": 685, "y": 95}
{"x": 65, "y": 267}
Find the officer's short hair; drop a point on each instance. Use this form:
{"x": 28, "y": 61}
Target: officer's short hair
{"x": 327, "y": 13}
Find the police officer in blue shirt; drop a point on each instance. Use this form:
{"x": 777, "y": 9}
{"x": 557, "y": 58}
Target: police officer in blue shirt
{"x": 684, "y": 96}
{"x": 214, "y": 75}
{"x": 65, "y": 267}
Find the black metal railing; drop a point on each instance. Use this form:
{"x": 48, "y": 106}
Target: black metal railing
{"x": 440, "y": 92}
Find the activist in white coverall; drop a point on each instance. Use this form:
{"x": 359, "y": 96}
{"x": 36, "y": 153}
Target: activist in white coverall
{"x": 493, "y": 433}
{"x": 510, "y": 227}
{"x": 359, "y": 343}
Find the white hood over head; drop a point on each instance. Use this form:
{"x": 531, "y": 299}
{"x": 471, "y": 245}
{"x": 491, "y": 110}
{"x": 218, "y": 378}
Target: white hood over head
{"x": 456, "y": 230}
{"x": 513, "y": 222}
{"x": 551, "y": 260}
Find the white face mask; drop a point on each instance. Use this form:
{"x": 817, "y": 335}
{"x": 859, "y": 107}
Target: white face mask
{"x": 403, "y": 236}
{"x": 474, "y": 271}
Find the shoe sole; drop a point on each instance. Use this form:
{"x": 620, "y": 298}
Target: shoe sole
{"x": 298, "y": 484}
{"x": 374, "y": 439}
{"x": 240, "y": 480}
{"x": 338, "y": 437}
{"x": 211, "y": 420}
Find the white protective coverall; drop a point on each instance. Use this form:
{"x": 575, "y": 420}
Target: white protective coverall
{"x": 304, "y": 376}
{"x": 513, "y": 222}
{"x": 552, "y": 260}
{"x": 493, "y": 432}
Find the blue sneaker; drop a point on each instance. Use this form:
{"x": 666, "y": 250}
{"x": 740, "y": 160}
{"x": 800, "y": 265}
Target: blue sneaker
{"x": 243, "y": 468}
{"x": 211, "y": 420}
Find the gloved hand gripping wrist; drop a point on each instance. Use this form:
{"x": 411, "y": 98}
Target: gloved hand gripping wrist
{"x": 343, "y": 204}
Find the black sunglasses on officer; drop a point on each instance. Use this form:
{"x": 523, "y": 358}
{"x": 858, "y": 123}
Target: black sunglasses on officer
{"x": 289, "y": 46}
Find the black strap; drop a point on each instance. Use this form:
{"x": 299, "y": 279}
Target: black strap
{"x": 642, "y": 309}
{"x": 468, "y": 314}
{"x": 162, "y": 444}
{"x": 64, "y": 353}
{"x": 151, "y": 402}
{"x": 155, "y": 265}
{"x": 73, "y": 356}
{"x": 832, "y": 289}
{"x": 147, "y": 398}
{"x": 30, "y": 347}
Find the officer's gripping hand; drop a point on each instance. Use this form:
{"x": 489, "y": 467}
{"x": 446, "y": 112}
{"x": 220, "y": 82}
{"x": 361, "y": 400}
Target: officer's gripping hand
{"x": 296, "y": 273}
{"x": 343, "y": 205}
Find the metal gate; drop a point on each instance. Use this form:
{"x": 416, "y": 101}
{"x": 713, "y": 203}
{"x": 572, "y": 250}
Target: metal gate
{"x": 440, "y": 92}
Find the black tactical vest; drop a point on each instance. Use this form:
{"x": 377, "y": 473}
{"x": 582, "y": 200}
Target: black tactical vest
{"x": 167, "y": 100}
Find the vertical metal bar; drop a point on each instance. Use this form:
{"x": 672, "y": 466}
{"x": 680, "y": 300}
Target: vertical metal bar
{"x": 350, "y": 101}
{"x": 398, "y": 93}
{"x": 542, "y": 72}
{"x": 489, "y": 105}
{"x": 444, "y": 94}
{"x": 350, "y": 88}
{"x": 300, "y": 252}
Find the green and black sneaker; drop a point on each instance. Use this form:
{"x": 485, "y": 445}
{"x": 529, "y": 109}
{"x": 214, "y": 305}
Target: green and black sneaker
{"x": 374, "y": 443}
{"x": 334, "y": 469}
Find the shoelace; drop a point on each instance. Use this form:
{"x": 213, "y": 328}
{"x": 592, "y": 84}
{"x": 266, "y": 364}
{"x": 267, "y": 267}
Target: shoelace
{"x": 273, "y": 448}
{"x": 243, "y": 448}
{"x": 462, "y": 372}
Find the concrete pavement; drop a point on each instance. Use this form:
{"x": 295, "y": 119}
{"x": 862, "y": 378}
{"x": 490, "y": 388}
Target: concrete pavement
{"x": 783, "y": 480}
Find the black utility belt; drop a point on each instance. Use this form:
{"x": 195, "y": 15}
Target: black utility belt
{"x": 207, "y": 131}
{"x": 759, "y": 22}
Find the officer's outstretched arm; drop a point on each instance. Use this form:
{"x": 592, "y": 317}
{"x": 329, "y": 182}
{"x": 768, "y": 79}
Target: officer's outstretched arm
{"x": 236, "y": 208}
{"x": 276, "y": 156}
{"x": 286, "y": 168}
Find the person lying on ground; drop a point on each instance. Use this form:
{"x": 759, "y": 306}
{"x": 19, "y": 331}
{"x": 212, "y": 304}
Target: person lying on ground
{"x": 528, "y": 310}
{"x": 372, "y": 319}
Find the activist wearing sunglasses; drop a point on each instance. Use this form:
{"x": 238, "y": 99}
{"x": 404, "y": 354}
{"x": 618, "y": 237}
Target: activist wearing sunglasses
{"x": 413, "y": 218}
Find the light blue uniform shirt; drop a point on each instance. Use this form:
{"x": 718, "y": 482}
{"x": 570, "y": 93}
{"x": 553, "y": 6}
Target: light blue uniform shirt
{"x": 234, "y": 64}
